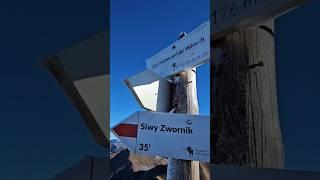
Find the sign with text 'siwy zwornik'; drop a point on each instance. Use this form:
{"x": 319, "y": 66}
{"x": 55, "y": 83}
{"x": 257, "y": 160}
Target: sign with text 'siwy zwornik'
{"x": 173, "y": 135}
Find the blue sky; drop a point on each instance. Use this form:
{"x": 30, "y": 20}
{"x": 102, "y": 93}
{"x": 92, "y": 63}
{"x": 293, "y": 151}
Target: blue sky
{"x": 140, "y": 29}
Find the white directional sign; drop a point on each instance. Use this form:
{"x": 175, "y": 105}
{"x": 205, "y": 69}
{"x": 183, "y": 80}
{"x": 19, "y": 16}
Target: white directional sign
{"x": 190, "y": 51}
{"x": 231, "y": 15}
{"x": 151, "y": 91}
{"x": 179, "y": 136}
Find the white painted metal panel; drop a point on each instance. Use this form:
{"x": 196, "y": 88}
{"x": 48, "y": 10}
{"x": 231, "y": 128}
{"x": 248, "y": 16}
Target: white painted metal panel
{"x": 179, "y": 136}
{"x": 188, "y": 52}
{"x": 94, "y": 90}
{"x": 151, "y": 91}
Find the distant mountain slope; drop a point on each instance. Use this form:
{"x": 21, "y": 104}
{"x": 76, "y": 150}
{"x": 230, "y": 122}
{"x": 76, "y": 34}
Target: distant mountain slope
{"x": 128, "y": 166}
{"x": 116, "y": 146}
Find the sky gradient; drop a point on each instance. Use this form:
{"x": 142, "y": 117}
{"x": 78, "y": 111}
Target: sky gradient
{"x": 297, "y": 61}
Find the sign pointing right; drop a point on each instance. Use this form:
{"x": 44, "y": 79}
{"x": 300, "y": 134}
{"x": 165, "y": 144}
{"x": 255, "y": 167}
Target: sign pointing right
{"x": 173, "y": 135}
{"x": 186, "y": 53}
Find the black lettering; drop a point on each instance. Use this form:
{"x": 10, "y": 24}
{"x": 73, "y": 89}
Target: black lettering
{"x": 183, "y": 131}
{"x": 140, "y": 147}
{"x": 225, "y": 10}
{"x": 233, "y": 9}
{"x": 142, "y": 126}
{"x": 214, "y": 17}
{"x": 168, "y": 129}
{"x": 146, "y": 147}
{"x": 174, "y": 130}
{"x": 162, "y": 127}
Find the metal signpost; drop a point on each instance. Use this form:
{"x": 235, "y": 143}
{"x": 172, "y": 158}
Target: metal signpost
{"x": 166, "y": 134}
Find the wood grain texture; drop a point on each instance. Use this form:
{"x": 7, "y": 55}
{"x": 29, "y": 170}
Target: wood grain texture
{"x": 228, "y": 16}
{"x": 184, "y": 99}
{"x": 245, "y": 127}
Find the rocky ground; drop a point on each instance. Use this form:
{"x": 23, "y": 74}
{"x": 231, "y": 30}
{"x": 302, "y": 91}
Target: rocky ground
{"x": 128, "y": 166}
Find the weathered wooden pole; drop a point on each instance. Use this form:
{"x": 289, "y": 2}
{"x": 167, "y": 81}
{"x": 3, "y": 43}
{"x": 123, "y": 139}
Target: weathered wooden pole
{"x": 184, "y": 100}
{"x": 245, "y": 127}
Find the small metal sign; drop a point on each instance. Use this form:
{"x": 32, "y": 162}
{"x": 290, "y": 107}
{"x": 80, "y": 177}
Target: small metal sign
{"x": 151, "y": 91}
{"x": 231, "y": 15}
{"x": 173, "y": 135}
{"x": 190, "y": 51}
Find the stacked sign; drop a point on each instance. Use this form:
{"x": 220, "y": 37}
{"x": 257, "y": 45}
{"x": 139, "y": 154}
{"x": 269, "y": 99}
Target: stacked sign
{"x": 168, "y": 134}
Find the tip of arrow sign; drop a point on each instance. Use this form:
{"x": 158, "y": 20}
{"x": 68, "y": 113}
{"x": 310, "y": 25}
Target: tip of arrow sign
{"x": 126, "y": 130}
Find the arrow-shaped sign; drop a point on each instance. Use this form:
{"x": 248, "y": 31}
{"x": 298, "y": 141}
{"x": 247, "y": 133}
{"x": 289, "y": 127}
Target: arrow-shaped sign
{"x": 151, "y": 91}
{"x": 188, "y": 52}
{"x": 127, "y": 130}
{"x": 173, "y": 135}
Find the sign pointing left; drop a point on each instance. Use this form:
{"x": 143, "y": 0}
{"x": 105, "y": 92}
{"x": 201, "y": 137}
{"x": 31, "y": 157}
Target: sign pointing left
{"x": 180, "y": 136}
{"x": 126, "y": 130}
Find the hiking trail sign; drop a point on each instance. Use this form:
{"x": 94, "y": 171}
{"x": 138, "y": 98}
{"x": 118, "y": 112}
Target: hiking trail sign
{"x": 188, "y": 52}
{"x": 150, "y": 90}
{"x": 228, "y": 16}
{"x": 173, "y": 135}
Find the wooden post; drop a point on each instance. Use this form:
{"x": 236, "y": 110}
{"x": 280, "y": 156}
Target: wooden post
{"x": 245, "y": 127}
{"x": 184, "y": 99}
